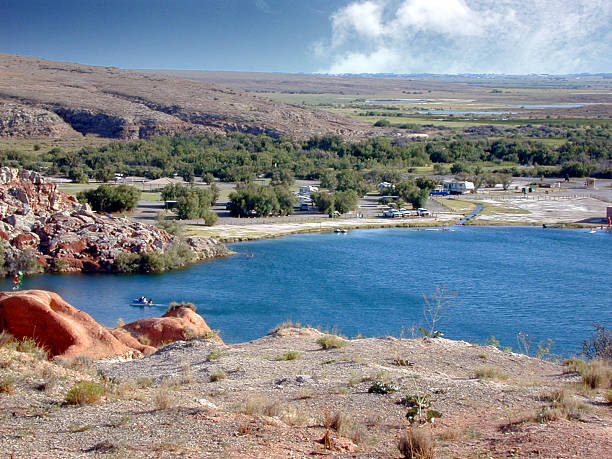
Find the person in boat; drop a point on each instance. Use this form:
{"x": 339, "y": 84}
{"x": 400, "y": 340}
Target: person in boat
{"x": 150, "y": 301}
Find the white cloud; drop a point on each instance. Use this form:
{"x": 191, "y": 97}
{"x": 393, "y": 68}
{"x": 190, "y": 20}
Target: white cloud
{"x": 470, "y": 36}
{"x": 363, "y": 18}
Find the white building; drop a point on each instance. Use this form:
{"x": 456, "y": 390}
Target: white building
{"x": 455, "y": 187}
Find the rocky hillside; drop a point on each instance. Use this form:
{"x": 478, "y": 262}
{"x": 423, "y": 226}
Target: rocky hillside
{"x": 57, "y": 99}
{"x": 301, "y": 393}
{"x": 40, "y": 223}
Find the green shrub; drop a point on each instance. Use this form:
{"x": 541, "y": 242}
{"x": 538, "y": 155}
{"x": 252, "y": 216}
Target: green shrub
{"x": 84, "y": 393}
{"x": 331, "y": 342}
{"x": 109, "y": 198}
{"x": 215, "y": 354}
{"x": 289, "y": 355}
{"x": 217, "y": 376}
{"x": 383, "y": 388}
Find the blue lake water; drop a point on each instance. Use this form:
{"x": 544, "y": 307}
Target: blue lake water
{"x": 459, "y": 112}
{"x": 548, "y": 283}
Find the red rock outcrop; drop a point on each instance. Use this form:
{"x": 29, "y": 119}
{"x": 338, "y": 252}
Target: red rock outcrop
{"x": 127, "y": 339}
{"x": 61, "y": 328}
{"x": 64, "y": 235}
{"x": 177, "y": 324}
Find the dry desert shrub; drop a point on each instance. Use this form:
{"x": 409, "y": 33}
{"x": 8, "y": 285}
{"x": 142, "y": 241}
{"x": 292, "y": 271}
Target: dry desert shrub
{"x": 347, "y": 426}
{"x": 6, "y": 338}
{"x": 215, "y": 354}
{"x": 85, "y": 393}
{"x": 416, "y": 444}
{"x": 491, "y": 373}
{"x": 598, "y": 374}
{"x": 26, "y": 345}
{"x": 144, "y": 382}
{"x": 284, "y": 325}
{"x": 164, "y": 398}
{"x": 81, "y": 363}
{"x": 186, "y": 373}
{"x": 7, "y": 384}
{"x": 331, "y": 342}
{"x": 218, "y": 375}
{"x": 562, "y": 405}
{"x": 289, "y": 355}
{"x": 262, "y": 406}
{"x": 176, "y": 305}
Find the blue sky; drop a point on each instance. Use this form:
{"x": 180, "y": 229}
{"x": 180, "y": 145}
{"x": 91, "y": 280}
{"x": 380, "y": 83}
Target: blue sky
{"x": 331, "y": 36}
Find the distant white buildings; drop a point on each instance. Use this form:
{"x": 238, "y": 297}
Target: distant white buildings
{"x": 386, "y": 188}
{"x": 456, "y": 187}
{"x": 307, "y": 189}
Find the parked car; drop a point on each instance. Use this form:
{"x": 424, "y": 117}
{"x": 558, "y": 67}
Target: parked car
{"x": 440, "y": 193}
{"x": 423, "y": 212}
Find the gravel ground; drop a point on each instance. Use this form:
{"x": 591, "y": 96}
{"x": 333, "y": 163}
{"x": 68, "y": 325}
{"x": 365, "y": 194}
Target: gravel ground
{"x": 165, "y": 405}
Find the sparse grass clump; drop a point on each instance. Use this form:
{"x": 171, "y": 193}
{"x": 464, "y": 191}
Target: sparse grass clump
{"x": 289, "y": 355}
{"x": 174, "y": 305}
{"x": 598, "y": 375}
{"x": 262, "y": 406}
{"x": 215, "y": 354}
{"x": 26, "y": 345}
{"x": 85, "y": 393}
{"x": 595, "y": 374}
{"x": 331, "y": 342}
{"x": 284, "y": 325}
{"x": 7, "y": 384}
{"x": 218, "y": 376}
{"x": 491, "y": 373}
{"x": 144, "y": 382}
{"x": 562, "y": 405}
{"x": 416, "y": 444}
{"x": 347, "y": 426}
{"x": 164, "y": 399}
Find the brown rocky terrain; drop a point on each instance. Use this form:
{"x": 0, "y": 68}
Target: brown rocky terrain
{"x": 282, "y": 395}
{"x": 47, "y": 98}
{"x": 64, "y": 235}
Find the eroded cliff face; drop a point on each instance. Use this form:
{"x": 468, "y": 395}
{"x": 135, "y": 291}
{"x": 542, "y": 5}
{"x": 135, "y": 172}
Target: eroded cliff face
{"x": 65, "y": 235}
{"x": 22, "y": 121}
{"x": 66, "y": 99}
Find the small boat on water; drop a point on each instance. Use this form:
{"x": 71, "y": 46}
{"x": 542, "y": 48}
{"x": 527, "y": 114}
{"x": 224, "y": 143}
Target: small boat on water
{"x": 142, "y": 301}
{"x": 341, "y": 230}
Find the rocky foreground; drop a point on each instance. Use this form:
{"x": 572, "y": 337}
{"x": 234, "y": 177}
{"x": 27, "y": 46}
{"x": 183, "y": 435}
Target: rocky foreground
{"x": 299, "y": 392}
{"x": 42, "y": 224}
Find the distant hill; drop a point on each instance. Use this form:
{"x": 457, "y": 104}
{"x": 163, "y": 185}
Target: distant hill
{"x": 41, "y": 98}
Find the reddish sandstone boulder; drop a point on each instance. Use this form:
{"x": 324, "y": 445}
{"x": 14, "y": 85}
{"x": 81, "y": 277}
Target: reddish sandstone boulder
{"x": 179, "y": 323}
{"x": 127, "y": 339}
{"x": 61, "y": 328}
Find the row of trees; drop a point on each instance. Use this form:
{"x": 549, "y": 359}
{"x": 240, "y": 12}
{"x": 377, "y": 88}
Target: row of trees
{"x": 241, "y": 157}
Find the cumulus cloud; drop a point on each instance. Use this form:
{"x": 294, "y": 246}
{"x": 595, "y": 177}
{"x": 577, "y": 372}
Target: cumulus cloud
{"x": 469, "y": 36}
